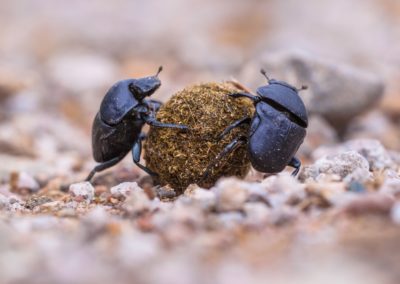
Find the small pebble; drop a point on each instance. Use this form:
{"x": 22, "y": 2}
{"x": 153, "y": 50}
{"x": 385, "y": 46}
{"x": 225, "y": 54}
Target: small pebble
{"x": 349, "y": 166}
{"x": 137, "y": 201}
{"x": 20, "y": 181}
{"x": 82, "y": 191}
{"x": 283, "y": 189}
{"x": 231, "y": 194}
{"x": 124, "y": 189}
{"x": 206, "y": 198}
{"x": 373, "y": 151}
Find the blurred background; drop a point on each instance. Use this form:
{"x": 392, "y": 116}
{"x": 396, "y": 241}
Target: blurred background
{"x": 58, "y": 58}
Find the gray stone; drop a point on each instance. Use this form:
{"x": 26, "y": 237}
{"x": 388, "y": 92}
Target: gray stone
{"x": 372, "y": 150}
{"x": 336, "y": 91}
{"x": 349, "y": 166}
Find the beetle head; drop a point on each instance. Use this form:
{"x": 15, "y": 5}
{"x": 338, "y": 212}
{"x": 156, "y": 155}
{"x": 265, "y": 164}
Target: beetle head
{"x": 284, "y": 97}
{"x": 145, "y": 87}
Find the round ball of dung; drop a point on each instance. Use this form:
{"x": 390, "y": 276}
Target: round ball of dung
{"x": 181, "y": 158}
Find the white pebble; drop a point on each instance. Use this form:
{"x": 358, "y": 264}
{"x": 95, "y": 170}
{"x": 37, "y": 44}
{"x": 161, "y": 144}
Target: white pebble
{"x": 137, "y": 201}
{"x": 82, "y": 191}
{"x": 124, "y": 189}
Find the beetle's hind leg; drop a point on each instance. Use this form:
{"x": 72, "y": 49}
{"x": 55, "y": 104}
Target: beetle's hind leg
{"x": 237, "y": 142}
{"x": 103, "y": 166}
{"x": 137, "y": 151}
{"x": 296, "y": 164}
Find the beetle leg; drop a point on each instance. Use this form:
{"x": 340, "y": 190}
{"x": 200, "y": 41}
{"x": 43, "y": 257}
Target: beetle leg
{"x": 255, "y": 99}
{"x": 296, "y": 164}
{"x": 153, "y": 122}
{"x": 237, "y": 142}
{"x": 237, "y": 123}
{"x": 136, "y": 152}
{"x": 103, "y": 166}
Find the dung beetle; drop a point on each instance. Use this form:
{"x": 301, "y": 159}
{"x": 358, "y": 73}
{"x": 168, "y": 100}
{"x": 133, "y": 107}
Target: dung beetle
{"x": 117, "y": 127}
{"x": 277, "y": 128}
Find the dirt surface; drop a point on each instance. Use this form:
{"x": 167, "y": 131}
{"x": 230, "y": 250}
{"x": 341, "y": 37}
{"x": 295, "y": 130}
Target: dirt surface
{"x": 337, "y": 222}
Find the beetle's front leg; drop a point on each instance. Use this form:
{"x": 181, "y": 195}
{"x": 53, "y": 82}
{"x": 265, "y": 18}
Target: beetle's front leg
{"x": 255, "y": 99}
{"x": 237, "y": 123}
{"x": 154, "y": 122}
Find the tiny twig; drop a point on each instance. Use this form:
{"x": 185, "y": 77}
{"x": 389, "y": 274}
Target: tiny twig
{"x": 239, "y": 85}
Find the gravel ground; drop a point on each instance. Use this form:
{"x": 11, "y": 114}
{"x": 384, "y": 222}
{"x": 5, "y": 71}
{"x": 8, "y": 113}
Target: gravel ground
{"x": 337, "y": 222}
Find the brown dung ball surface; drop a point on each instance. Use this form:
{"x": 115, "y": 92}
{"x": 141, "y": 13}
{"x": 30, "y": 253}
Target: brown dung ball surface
{"x": 180, "y": 158}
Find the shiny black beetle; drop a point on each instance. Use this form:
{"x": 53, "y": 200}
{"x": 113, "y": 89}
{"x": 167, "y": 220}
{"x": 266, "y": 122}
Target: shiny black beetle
{"x": 118, "y": 124}
{"x": 277, "y": 128}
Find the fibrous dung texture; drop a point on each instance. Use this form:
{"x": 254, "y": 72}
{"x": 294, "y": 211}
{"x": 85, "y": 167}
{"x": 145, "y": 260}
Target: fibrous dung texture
{"x": 181, "y": 158}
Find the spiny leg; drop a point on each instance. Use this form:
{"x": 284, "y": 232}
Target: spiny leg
{"x": 237, "y": 142}
{"x": 153, "y": 122}
{"x": 296, "y": 164}
{"x": 103, "y": 166}
{"x": 237, "y": 123}
{"x": 136, "y": 152}
{"x": 255, "y": 99}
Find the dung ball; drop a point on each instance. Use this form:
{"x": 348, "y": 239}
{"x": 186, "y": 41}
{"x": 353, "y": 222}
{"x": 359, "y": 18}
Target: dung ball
{"x": 181, "y": 158}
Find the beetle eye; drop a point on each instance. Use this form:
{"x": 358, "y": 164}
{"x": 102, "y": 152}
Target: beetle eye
{"x": 136, "y": 92}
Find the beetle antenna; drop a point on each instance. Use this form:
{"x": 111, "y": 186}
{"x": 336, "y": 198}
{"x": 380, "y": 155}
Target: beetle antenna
{"x": 304, "y": 87}
{"x": 159, "y": 70}
{"x": 265, "y": 74}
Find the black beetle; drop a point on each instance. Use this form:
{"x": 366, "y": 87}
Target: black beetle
{"x": 277, "y": 128}
{"x": 118, "y": 124}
